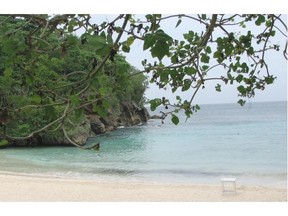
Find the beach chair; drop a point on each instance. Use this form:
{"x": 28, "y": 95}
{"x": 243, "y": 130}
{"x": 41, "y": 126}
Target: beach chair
{"x": 228, "y": 186}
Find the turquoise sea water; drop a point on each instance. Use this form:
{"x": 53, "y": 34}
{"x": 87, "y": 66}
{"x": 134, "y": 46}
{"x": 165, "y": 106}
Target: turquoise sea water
{"x": 225, "y": 140}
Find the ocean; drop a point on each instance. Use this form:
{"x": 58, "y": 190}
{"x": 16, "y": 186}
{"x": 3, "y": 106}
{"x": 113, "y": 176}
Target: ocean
{"x": 223, "y": 140}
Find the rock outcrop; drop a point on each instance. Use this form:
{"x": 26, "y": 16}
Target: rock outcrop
{"x": 130, "y": 114}
{"x": 78, "y": 134}
{"x": 97, "y": 126}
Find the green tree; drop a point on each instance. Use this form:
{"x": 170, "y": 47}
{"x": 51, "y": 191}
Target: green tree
{"x": 45, "y": 67}
{"x": 44, "y": 83}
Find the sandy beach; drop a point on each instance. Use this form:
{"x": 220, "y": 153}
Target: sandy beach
{"x": 27, "y": 188}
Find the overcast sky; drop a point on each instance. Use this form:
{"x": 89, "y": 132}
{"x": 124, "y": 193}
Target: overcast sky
{"x": 229, "y": 94}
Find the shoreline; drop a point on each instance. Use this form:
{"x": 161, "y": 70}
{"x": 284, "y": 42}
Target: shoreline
{"x": 202, "y": 182}
{"x": 37, "y": 188}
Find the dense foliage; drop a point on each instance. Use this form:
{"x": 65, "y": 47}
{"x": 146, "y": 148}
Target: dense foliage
{"x": 48, "y": 75}
{"x": 45, "y": 84}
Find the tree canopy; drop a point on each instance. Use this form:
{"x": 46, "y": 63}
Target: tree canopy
{"x": 53, "y": 66}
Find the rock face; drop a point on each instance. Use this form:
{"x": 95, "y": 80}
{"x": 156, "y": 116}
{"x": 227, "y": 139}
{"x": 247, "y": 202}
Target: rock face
{"x": 97, "y": 126}
{"x": 130, "y": 114}
{"x": 78, "y": 134}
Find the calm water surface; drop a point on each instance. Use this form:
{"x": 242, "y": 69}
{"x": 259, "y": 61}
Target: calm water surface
{"x": 248, "y": 142}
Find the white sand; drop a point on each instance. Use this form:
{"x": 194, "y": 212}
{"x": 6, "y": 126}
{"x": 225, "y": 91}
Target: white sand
{"x": 26, "y": 188}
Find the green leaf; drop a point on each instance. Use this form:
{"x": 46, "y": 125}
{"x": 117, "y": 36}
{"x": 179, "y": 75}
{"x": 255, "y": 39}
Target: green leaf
{"x": 188, "y": 113}
{"x": 161, "y": 35}
{"x": 110, "y": 40}
{"x": 174, "y": 59}
{"x": 70, "y": 27}
{"x": 250, "y": 51}
{"x": 144, "y": 62}
{"x": 130, "y": 41}
{"x": 149, "y": 17}
{"x": 208, "y": 49}
{"x": 190, "y": 70}
{"x": 160, "y": 49}
{"x": 204, "y": 16}
{"x": 103, "y": 34}
{"x": 269, "y": 79}
{"x": 218, "y": 88}
{"x": 228, "y": 50}
{"x": 187, "y": 84}
{"x": 149, "y": 41}
{"x": 218, "y": 55}
{"x": 178, "y": 23}
{"x": 174, "y": 89}
{"x": 155, "y": 103}
{"x": 231, "y": 36}
{"x": 241, "y": 89}
{"x": 272, "y": 33}
{"x": 239, "y": 78}
{"x": 104, "y": 51}
{"x": 97, "y": 41}
{"x": 187, "y": 47}
{"x": 175, "y": 119}
{"x": 204, "y": 58}
{"x": 230, "y": 77}
{"x": 241, "y": 102}
{"x": 268, "y": 23}
{"x": 261, "y": 19}
{"x": 244, "y": 67}
{"x": 205, "y": 67}
{"x": 173, "y": 73}
{"x": 219, "y": 41}
{"x": 164, "y": 76}
{"x": 126, "y": 48}
{"x": 189, "y": 36}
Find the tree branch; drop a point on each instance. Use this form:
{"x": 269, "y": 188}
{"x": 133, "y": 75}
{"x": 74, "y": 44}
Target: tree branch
{"x": 115, "y": 46}
{"x": 41, "y": 129}
{"x": 94, "y": 147}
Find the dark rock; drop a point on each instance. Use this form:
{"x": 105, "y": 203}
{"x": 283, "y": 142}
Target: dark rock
{"x": 110, "y": 122}
{"x": 144, "y": 114}
{"x": 97, "y": 126}
{"x": 130, "y": 114}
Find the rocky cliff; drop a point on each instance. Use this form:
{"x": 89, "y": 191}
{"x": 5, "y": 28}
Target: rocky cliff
{"x": 129, "y": 114}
